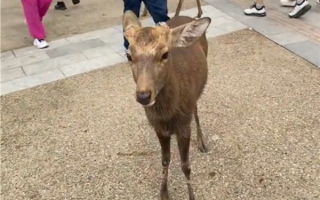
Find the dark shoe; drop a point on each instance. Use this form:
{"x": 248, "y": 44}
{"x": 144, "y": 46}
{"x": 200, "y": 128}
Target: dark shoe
{"x": 75, "y": 2}
{"x": 60, "y": 6}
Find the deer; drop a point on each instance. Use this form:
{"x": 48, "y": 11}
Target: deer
{"x": 170, "y": 70}
{"x": 145, "y": 10}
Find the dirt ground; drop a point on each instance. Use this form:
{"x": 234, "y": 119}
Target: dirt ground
{"x": 89, "y": 15}
{"x": 85, "y": 137}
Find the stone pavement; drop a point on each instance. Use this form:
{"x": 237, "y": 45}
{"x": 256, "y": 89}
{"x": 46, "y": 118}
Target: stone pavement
{"x": 300, "y": 36}
{"x": 28, "y": 67}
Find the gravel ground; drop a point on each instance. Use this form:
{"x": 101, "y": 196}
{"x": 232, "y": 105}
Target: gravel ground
{"x": 85, "y": 137}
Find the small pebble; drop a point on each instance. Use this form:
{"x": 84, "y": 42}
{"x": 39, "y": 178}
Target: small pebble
{"x": 215, "y": 137}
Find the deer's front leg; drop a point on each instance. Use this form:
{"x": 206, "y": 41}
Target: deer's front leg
{"x": 183, "y": 137}
{"x": 144, "y": 12}
{"x": 164, "y": 139}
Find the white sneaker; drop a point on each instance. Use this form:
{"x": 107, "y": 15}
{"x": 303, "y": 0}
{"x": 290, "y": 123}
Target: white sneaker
{"x": 287, "y": 3}
{"x": 41, "y": 44}
{"x": 254, "y": 11}
{"x": 300, "y": 9}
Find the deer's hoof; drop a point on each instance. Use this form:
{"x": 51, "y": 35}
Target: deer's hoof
{"x": 191, "y": 196}
{"x": 164, "y": 195}
{"x": 203, "y": 148}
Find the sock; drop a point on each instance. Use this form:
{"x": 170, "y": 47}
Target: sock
{"x": 259, "y": 6}
{"x": 299, "y": 2}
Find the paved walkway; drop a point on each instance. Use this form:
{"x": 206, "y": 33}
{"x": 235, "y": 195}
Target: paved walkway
{"x": 29, "y": 67}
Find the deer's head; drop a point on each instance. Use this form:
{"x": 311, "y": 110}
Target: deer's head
{"x": 149, "y": 52}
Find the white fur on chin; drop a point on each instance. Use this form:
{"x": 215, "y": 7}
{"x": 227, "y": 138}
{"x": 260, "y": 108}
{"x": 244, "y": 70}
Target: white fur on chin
{"x": 150, "y": 104}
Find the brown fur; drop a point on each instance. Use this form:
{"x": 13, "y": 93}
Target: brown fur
{"x": 175, "y": 83}
{"x": 176, "y": 101}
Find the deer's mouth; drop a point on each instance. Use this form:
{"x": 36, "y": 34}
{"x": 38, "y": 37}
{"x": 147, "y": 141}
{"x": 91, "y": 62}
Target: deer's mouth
{"x": 150, "y": 104}
{"x": 146, "y": 99}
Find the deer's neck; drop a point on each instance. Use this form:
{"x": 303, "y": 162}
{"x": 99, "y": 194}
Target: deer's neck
{"x": 170, "y": 91}
{"x": 166, "y": 101}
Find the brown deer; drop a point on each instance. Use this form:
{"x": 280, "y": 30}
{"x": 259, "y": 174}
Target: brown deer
{"x": 145, "y": 11}
{"x": 169, "y": 66}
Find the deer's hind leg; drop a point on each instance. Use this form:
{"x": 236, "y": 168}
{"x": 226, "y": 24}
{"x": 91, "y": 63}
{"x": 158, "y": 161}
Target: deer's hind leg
{"x": 201, "y": 143}
{"x": 199, "y": 9}
{"x": 144, "y": 12}
{"x": 179, "y": 8}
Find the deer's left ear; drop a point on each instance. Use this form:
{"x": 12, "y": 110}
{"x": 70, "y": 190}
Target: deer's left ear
{"x": 130, "y": 22}
{"x": 187, "y": 34}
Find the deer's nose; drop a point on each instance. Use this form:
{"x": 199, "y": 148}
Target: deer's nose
{"x": 144, "y": 97}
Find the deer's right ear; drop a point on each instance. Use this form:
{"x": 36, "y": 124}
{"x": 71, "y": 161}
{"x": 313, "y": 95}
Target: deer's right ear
{"x": 130, "y": 22}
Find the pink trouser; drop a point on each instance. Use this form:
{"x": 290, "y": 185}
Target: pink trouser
{"x": 34, "y": 11}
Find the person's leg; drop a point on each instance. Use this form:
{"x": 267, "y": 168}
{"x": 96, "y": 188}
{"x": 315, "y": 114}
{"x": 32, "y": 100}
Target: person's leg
{"x": 31, "y": 12}
{"x": 301, "y": 8}
{"x": 288, "y": 3}
{"x": 43, "y": 7}
{"x": 256, "y": 9}
{"x": 158, "y": 10}
{"x": 60, "y": 6}
{"x": 36, "y": 29}
{"x": 134, "y": 6}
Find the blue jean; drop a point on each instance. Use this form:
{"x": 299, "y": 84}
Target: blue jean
{"x": 158, "y": 10}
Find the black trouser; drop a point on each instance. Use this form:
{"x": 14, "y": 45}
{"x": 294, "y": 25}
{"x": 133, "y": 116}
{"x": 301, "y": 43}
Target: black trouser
{"x": 158, "y": 10}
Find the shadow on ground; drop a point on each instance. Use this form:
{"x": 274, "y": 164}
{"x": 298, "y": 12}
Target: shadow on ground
{"x": 85, "y": 137}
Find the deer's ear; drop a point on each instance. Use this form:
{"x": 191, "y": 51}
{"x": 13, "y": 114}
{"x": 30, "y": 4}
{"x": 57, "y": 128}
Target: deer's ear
{"x": 187, "y": 34}
{"x": 130, "y": 22}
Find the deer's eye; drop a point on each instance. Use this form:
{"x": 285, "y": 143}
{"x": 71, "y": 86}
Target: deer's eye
{"x": 129, "y": 57}
{"x": 165, "y": 56}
